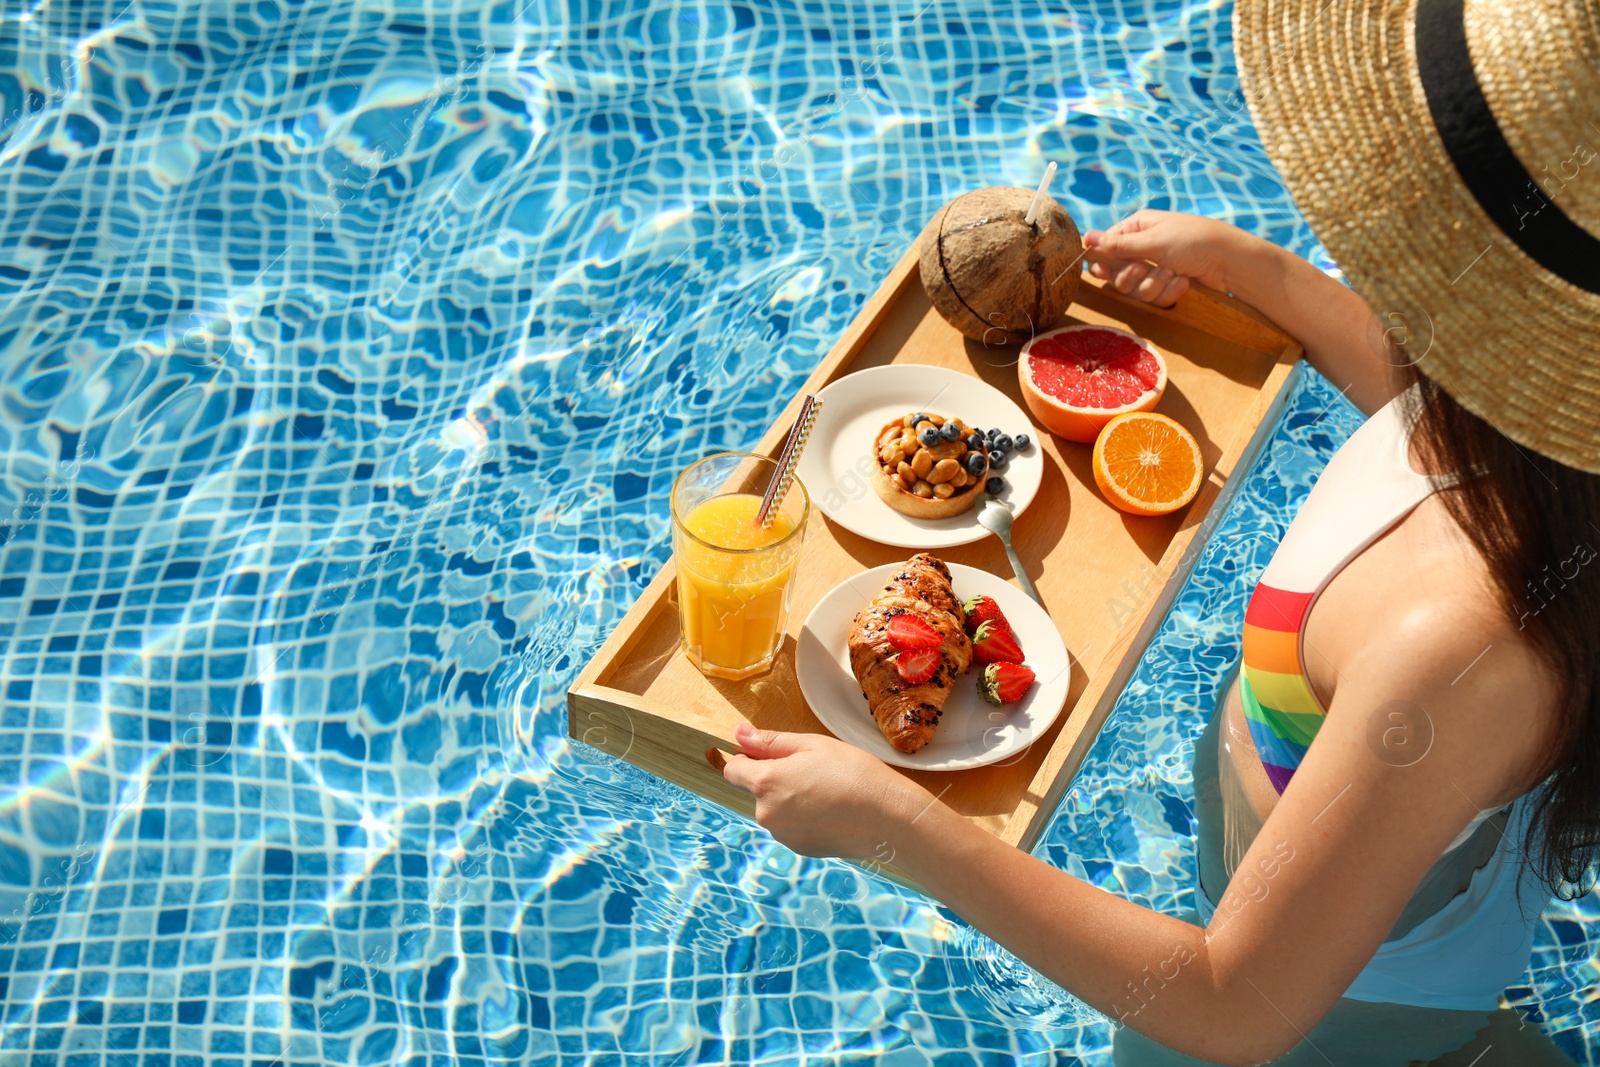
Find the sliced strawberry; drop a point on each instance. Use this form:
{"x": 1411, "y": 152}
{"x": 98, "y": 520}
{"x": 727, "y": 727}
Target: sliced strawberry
{"x": 1005, "y": 683}
{"x": 918, "y": 665}
{"x": 995, "y": 643}
{"x": 908, "y": 632}
{"x": 979, "y": 610}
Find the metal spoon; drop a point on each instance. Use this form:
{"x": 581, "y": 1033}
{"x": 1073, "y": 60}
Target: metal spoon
{"x": 996, "y": 518}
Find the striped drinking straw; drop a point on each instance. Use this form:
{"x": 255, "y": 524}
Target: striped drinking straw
{"x": 788, "y": 458}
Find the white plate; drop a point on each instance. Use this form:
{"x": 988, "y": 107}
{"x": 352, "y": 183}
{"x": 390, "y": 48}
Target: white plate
{"x": 972, "y": 731}
{"x": 836, "y": 466}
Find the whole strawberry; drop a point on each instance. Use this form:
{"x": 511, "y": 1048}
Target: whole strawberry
{"x": 979, "y": 610}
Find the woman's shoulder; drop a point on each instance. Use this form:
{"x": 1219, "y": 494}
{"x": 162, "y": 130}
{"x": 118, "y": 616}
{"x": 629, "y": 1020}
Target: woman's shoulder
{"x": 1450, "y": 640}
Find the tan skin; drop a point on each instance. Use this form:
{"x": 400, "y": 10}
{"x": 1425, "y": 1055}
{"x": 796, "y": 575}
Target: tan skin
{"x": 1408, "y": 619}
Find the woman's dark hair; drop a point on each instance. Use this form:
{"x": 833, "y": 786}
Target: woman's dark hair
{"x": 1536, "y": 522}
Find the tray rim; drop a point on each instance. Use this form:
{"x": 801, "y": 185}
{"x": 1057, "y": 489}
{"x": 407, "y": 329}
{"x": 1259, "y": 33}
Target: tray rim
{"x": 590, "y": 703}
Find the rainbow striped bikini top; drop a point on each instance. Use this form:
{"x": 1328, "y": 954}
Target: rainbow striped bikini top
{"x": 1367, "y": 487}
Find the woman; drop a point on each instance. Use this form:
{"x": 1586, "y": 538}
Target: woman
{"x": 1408, "y": 762}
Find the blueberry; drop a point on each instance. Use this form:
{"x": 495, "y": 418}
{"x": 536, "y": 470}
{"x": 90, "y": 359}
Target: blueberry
{"x": 991, "y": 435}
{"x": 975, "y": 464}
{"x": 1022, "y": 441}
{"x": 994, "y": 485}
{"x": 997, "y": 458}
{"x": 921, "y": 416}
{"x": 976, "y": 443}
{"x": 928, "y": 435}
{"x": 1004, "y": 443}
{"x": 950, "y": 432}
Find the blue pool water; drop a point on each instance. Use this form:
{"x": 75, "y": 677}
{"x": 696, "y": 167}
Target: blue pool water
{"x": 349, "y": 352}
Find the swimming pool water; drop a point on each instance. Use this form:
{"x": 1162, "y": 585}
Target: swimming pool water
{"x": 350, "y": 351}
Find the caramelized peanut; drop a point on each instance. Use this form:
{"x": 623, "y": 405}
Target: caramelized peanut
{"x": 908, "y": 477}
{"x": 922, "y": 462}
{"x": 943, "y": 471}
{"x": 943, "y": 490}
{"x": 962, "y": 477}
{"x": 922, "y": 489}
{"x": 889, "y": 455}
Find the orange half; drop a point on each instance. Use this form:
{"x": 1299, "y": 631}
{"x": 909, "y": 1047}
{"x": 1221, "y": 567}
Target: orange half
{"x": 1147, "y": 464}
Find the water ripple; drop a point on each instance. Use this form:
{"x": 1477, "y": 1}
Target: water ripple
{"x": 350, "y": 352}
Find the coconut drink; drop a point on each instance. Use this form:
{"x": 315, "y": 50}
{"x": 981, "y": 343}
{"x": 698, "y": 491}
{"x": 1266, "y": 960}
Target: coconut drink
{"x": 993, "y": 274}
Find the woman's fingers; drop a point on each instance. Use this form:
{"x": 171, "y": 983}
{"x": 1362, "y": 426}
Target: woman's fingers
{"x": 1160, "y": 286}
{"x": 1128, "y": 277}
{"x": 1150, "y": 288}
{"x": 740, "y": 772}
{"x": 1135, "y": 237}
{"x": 1174, "y": 289}
{"x": 1140, "y": 220}
{"x": 769, "y": 744}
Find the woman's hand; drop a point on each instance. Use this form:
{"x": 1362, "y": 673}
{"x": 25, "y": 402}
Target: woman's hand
{"x": 821, "y": 796}
{"x": 1152, "y": 255}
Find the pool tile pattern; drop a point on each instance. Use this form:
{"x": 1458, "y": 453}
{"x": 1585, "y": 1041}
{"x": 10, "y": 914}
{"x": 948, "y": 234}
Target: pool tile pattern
{"x": 350, "y": 352}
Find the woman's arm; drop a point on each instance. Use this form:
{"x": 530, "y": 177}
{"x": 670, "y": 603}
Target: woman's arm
{"x": 1151, "y": 254}
{"x": 1313, "y": 898}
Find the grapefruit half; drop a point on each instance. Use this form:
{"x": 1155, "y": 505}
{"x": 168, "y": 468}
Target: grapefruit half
{"x": 1078, "y": 378}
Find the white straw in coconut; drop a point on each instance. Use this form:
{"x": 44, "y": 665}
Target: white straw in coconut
{"x": 1038, "y": 197}
{"x": 788, "y": 458}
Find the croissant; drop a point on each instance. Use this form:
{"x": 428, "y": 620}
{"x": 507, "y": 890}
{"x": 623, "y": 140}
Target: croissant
{"x": 906, "y": 714}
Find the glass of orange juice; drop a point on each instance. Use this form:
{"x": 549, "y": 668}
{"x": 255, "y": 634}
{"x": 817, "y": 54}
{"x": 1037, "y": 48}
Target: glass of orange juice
{"x": 734, "y": 575}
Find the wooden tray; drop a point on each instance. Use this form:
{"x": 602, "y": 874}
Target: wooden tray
{"x": 1106, "y": 578}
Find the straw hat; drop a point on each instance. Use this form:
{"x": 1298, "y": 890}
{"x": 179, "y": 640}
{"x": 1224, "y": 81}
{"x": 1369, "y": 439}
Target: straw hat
{"x": 1448, "y": 155}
